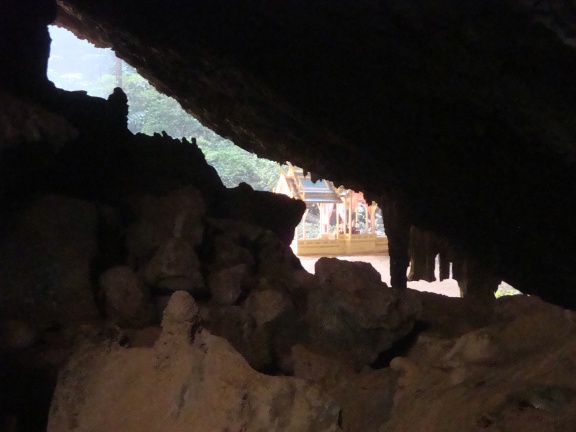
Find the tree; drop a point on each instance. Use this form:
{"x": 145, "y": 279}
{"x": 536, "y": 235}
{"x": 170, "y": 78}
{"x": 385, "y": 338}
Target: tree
{"x": 98, "y": 71}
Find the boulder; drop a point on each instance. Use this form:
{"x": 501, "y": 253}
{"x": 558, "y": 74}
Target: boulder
{"x": 230, "y": 242}
{"x": 225, "y": 286}
{"x": 176, "y": 215}
{"x": 200, "y": 385}
{"x": 275, "y": 212}
{"x": 240, "y": 329}
{"x": 347, "y": 275}
{"x": 273, "y": 257}
{"x": 175, "y": 267}
{"x": 514, "y": 374}
{"x": 266, "y": 305}
{"x": 353, "y": 315}
{"x": 127, "y": 299}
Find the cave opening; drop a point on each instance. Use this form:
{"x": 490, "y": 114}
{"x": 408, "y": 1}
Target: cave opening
{"x": 451, "y": 116}
{"x": 78, "y": 65}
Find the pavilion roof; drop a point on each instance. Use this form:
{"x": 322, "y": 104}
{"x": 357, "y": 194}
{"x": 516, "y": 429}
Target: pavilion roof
{"x": 302, "y": 186}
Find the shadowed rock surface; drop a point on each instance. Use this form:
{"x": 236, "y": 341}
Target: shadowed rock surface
{"x": 458, "y": 112}
{"x": 457, "y": 116}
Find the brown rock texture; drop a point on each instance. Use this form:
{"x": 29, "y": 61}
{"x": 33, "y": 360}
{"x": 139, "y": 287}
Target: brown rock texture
{"x": 205, "y": 386}
{"x": 456, "y": 115}
{"x": 492, "y": 378}
{"x": 127, "y": 299}
{"x": 355, "y": 316}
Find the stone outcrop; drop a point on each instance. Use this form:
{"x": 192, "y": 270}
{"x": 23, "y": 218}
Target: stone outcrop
{"x": 457, "y": 116}
{"x": 463, "y": 371}
{"x": 126, "y": 298}
{"x": 175, "y": 267}
{"x": 490, "y": 378}
{"x": 355, "y": 316}
{"x": 205, "y": 386}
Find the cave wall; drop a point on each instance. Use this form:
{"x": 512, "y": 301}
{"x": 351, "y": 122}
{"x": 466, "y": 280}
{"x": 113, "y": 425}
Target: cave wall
{"x": 466, "y": 129}
{"x": 459, "y": 110}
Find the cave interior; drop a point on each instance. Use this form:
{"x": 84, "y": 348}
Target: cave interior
{"x": 456, "y": 117}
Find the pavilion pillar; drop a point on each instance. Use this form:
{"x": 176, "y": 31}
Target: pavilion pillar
{"x": 337, "y": 233}
{"x": 356, "y": 213}
{"x": 321, "y": 219}
{"x": 350, "y": 214}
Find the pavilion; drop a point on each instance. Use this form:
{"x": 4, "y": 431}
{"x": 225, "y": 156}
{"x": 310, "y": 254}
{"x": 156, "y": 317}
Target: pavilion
{"x": 346, "y": 222}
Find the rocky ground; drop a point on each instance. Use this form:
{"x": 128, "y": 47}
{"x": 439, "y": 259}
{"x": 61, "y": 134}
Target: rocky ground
{"x": 148, "y": 297}
{"x": 381, "y": 262}
{"x": 251, "y": 341}
{"x": 472, "y": 370}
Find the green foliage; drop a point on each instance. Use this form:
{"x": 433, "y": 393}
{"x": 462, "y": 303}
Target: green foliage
{"x": 235, "y": 165}
{"x": 151, "y": 111}
{"x": 312, "y": 230}
{"x": 506, "y": 290}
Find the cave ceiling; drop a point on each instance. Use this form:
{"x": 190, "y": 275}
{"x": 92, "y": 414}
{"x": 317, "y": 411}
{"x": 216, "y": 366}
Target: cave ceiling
{"x": 460, "y": 111}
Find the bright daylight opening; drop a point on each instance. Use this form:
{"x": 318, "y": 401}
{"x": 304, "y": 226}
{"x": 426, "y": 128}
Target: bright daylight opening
{"x": 337, "y": 222}
{"x": 76, "y": 64}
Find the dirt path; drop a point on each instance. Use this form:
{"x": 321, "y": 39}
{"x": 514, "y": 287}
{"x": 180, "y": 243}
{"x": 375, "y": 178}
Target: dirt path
{"x": 382, "y": 264}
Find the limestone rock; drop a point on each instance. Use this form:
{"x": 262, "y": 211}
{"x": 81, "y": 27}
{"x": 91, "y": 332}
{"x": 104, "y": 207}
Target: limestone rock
{"x": 264, "y": 306}
{"x": 204, "y": 385}
{"x": 233, "y": 242}
{"x": 181, "y": 312}
{"x": 175, "y": 267}
{"x": 45, "y": 262}
{"x": 347, "y": 275}
{"x": 359, "y": 319}
{"x": 366, "y": 398}
{"x": 240, "y": 329}
{"x": 180, "y": 317}
{"x": 226, "y": 284}
{"x": 314, "y": 367}
{"x": 176, "y": 215}
{"x": 275, "y": 212}
{"x": 273, "y": 257}
{"x": 127, "y": 299}
{"x": 228, "y": 243}
{"x": 28, "y": 122}
{"x": 514, "y": 374}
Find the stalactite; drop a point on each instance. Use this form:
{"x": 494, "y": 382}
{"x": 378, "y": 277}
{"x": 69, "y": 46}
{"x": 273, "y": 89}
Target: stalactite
{"x": 475, "y": 278}
{"x": 423, "y": 253}
{"x": 397, "y": 230}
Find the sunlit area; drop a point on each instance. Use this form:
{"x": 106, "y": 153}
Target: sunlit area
{"x": 337, "y": 221}
{"x": 76, "y": 64}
